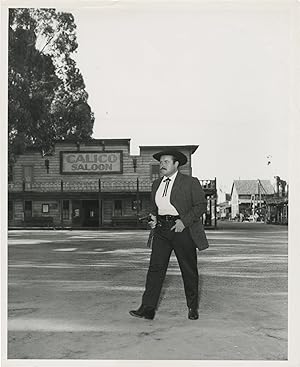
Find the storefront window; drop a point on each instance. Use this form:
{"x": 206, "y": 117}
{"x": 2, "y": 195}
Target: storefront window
{"x": 66, "y": 209}
{"x": 45, "y": 208}
{"x": 28, "y": 174}
{"x": 28, "y": 209}
{"x": 134, "y": 204}
{"x": 118, "y": 207}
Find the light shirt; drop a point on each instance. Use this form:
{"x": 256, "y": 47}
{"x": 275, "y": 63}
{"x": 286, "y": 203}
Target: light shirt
{"x": 163, "y": 202}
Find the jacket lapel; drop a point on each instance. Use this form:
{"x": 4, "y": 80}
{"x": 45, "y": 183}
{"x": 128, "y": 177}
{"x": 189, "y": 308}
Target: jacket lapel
{"x": 157, "y": 184}
{"x": 155, "y": 187}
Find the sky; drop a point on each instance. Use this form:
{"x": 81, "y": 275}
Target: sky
{"x": 217, "y": 76}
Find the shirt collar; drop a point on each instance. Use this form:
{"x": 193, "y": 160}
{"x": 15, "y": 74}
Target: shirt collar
{"x": 171, "y": 177}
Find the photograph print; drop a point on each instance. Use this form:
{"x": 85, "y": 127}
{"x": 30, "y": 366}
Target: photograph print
{"x": 148, "y": 182}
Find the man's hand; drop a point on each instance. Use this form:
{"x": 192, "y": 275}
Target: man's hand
{"x": 179, "y": 226}
{"x": 153, "y": 221}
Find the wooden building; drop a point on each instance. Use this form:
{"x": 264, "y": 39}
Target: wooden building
{"x": 277, "y": 206}
{"x": 247, "y": 196}
{"x": 277, "y": 210}
{"x": 93, "y": 184}
{"x": 224, "y": 208}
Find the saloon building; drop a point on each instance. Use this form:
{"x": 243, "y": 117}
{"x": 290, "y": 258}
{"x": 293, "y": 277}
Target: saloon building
{"x": 95, "y": 184}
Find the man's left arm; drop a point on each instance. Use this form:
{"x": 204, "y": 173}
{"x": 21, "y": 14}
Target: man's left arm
{"x": 199, "y": 204}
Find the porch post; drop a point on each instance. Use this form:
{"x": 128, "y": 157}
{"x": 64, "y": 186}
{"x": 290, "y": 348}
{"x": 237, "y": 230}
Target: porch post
{"x": 99, "y": 204}
{"x": 61, "y": 204}
{"x": 137, "y": 200}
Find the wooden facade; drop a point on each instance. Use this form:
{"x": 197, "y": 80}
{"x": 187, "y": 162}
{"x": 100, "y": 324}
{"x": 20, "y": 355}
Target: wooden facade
{"x": 259, "y": 200}
{"x": 248, "y": 196}
{"x": 278, "y": 205}
{"x": 94, "y": 184}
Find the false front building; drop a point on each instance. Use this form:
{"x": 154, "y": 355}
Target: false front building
{"x": 249, "y": 196}
{"x": 93, "y": 184}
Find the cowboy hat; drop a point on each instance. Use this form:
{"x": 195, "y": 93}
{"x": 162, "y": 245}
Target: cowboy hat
{"x": 180, "y": 157}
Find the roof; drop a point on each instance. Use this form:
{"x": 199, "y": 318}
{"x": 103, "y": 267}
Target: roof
{"x": 227, "y": 197}
{"x": 191, "y": 148}
{"x": 92, "y": 141}
{"x": 249, "y": 187}
{"x": 277, "y": 200}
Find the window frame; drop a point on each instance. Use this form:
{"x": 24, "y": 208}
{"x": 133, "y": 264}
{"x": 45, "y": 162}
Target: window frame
{"x": 66, "y": 211}
{"x": 45, "y": 208}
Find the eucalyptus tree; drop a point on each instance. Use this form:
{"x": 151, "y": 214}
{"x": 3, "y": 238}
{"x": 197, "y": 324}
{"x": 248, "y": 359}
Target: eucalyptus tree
{"x": 47, "y": 100}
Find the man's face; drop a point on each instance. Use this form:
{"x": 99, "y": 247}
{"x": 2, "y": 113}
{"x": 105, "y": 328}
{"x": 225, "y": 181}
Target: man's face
{"x": 167, "y": 165}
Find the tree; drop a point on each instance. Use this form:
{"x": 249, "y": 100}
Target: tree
{"x": 47, "y": 100}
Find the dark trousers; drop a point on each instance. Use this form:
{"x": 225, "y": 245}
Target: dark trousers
{"x": 164, "y": 242}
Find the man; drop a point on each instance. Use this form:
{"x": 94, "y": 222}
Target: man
{"x": 178, "y": 203}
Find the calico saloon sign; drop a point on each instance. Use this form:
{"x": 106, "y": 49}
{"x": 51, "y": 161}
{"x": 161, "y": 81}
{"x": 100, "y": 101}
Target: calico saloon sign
{"x": 91, "y": 162}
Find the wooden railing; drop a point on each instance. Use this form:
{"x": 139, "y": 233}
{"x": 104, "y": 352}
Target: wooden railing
{"x": 92, "y": 186}
{"x": 82, "y": 186}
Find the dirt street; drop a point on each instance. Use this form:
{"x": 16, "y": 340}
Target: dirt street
{"x": 69, "y": 293}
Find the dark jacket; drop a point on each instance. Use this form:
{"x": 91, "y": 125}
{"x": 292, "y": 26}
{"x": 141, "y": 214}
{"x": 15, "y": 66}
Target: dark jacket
{"x": 188, "y": 197}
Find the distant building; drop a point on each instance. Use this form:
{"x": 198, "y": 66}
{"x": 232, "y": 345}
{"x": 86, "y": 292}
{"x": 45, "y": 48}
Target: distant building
{"x": 277, "y": 205}
{"x": 224, "y": 208}
{"x": 247, "y": 196}
{"x": 93, "y": 184}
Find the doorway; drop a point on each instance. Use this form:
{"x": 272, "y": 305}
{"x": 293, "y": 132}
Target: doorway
{"x": 90, "y": 213}
{"x": 85, "y": 213}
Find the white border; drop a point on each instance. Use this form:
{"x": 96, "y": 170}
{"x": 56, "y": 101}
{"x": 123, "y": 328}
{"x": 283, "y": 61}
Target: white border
{"x": 294, "y": 178}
